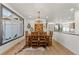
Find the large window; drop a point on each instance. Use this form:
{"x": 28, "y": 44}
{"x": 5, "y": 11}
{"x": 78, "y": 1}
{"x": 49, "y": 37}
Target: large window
{"x": 12, "y": 25}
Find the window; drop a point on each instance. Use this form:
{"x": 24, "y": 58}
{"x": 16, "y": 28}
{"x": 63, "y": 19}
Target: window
{"x": 13, "y": 25}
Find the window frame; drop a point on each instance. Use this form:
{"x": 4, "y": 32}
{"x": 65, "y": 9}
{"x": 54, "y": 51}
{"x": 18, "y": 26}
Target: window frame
{"x": 3, "y": 6}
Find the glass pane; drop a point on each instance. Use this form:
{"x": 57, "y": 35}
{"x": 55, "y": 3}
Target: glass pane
{"x": 12, "y": 25}
{"x": 7, "y": 30}
{"x": 6, "y": 13}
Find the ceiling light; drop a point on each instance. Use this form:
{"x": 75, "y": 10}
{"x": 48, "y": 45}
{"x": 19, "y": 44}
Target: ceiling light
{"x": 72, "y": 9}
{"x": 46, "y": 16}
{"x": 30, "y": 16}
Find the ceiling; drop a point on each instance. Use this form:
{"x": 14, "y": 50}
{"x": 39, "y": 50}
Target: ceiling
{"x": 54, "y": 11}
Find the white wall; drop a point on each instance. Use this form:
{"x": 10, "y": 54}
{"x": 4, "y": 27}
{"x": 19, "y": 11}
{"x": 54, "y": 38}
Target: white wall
{"x": 26, "y": 21}
{"x": 77, "y": 21}
{"x": 69, "y": 41}
{"x": 50, "y": 26}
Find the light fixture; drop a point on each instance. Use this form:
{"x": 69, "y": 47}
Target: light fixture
{"x": 46, "y": 17}
{"x": 72, "y": 9}
{"x": 30, "y": 16}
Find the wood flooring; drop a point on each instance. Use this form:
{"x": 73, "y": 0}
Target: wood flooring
{"x": 55, "y": 49}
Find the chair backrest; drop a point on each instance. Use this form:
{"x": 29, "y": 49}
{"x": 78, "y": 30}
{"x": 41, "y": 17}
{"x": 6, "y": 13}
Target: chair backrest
{"x": 34, "y": 33}
{"x": 39, "y": 27}
{"x": 26, "y": 33}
